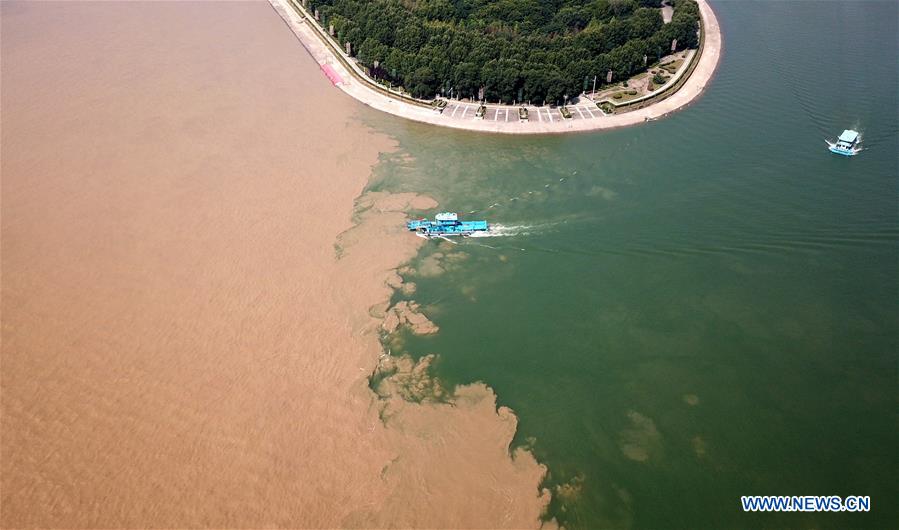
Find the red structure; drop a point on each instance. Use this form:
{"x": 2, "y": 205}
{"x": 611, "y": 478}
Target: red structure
{"x": 332, "y": 74}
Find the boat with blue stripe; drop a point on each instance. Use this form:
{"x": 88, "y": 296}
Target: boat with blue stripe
{"x": 846, "y": 144}
{"x": 446, "y": 224}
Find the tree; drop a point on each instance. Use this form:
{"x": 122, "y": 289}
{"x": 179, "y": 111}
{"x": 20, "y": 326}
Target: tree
{"x": 422, "y": 82}
{"x": 466, "y": 78}
{"x": 501, "y": 77}
{"x": 645, "y": 23}
{"x": 536, "y": 81}
{"x": 409, "y": 38}
{"x": 555, "y": 89}
{"x": 576, "y": 72}
{"x": 371, "y": 50}
{"x": 617, "y": 33}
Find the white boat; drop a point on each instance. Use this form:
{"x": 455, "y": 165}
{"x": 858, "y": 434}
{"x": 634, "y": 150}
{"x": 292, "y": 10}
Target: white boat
{"x": 846, "y": 144}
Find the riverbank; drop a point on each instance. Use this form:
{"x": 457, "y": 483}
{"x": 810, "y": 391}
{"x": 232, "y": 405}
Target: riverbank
{"x": 586, "y": 116}
{"x": 183, "y": 346}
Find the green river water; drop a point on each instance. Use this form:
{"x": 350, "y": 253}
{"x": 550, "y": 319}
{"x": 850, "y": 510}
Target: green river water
{"x": 695, "y": 309}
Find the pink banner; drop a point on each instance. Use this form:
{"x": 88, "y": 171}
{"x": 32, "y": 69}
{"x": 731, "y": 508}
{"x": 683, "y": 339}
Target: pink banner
{"x": 332, "y": 74}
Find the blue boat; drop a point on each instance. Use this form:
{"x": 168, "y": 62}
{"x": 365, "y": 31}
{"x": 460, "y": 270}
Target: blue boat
{"x": 446, "y": 224}
{"x": 846, "y": 144}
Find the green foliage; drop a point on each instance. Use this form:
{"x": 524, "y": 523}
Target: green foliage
{"x": 422, "y": 82}
{"x": 658, "y": 79}
{"x": 543, "y": 48}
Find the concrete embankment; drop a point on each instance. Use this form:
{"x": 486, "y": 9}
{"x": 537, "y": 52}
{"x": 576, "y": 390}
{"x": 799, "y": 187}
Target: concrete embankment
{"x": 586, "y": 117}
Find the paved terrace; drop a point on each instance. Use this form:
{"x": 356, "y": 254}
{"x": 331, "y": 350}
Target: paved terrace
{"x": 459, "y": 110}
{"x": 585, "y": 115}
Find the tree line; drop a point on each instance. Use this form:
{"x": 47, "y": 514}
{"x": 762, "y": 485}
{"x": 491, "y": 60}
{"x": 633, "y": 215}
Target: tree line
{"x": 517, "y": 50}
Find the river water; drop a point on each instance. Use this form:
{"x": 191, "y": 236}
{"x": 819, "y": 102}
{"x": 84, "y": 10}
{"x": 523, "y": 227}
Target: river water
{"x": 696, "y": 309}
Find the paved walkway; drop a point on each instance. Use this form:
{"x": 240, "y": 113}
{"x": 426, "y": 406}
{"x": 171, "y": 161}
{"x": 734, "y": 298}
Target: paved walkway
{"x": 585, "y": 116}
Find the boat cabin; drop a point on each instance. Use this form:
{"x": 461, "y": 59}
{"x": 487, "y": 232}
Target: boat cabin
{"x": 847, "y": 139}
{"x": 446, "y": 217}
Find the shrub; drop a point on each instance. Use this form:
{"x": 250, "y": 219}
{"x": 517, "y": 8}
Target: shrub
{"x": 616, "y": 95}
{"x": 658, "y": 79}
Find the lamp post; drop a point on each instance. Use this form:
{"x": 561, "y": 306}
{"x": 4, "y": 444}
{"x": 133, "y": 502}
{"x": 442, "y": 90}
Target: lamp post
{"x": 593, "y": 95}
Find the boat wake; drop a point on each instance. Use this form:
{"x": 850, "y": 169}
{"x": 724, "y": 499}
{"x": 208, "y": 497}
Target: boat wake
{"x": 498, "y": 230}
{"x": 436, "y": 236}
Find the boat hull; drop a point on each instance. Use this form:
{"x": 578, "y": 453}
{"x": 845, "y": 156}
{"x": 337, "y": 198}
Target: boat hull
{"x": 446, "y": 228}
{"x": 842, "y": 152}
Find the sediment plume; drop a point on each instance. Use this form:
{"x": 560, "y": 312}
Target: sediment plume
{"x": 408, "y": 313}
{"x": 194, "y": 287}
